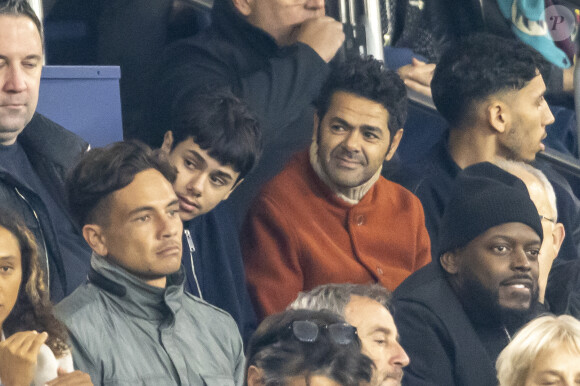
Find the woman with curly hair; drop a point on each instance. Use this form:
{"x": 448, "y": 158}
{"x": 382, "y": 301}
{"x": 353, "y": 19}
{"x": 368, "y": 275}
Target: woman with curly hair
{"x": 33, "y": 347}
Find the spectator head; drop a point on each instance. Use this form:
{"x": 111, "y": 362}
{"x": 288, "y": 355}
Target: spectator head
{"x": 546, "y": 351}
{"x": 366, "y": 307}
{"x": 25, "y": 301}
{"x": 122, "y": 197}
{"x": 214, "y": 142}
{"x": 359, "y": 122}
{"x": 302, "y": 347}
{"x": 495, "y": 84}
{"x": 20, "y": 67}
{"x": 279, "y": 18}
{"x": 489, "y": 241}
{"x": 543, "y": 196}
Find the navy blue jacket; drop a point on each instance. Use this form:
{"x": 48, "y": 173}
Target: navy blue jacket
{"x": 218, "y": 266}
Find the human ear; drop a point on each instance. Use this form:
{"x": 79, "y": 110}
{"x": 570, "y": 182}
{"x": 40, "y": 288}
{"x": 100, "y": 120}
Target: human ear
{"x": 498, "y": 116}
{"x": 167, "y": 142}
{"x": 315, "y": 125}
{"x": 558, "y": 233}
{"x": 243, "y": 6}
{"x": 394, "y": 144}
{"x": 94, "y": 236}
{"x": 450, "y": 263}
{"x": 255, "y": 376}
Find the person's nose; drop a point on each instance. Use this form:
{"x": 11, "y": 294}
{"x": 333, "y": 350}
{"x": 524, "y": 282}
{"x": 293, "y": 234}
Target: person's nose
{"x": 196, "y": 184}
{"x": 14, "y": 79}
{"x": 352, "y": 141}
{"x": 400, "y": 357}
{"x": 315, "y": 4}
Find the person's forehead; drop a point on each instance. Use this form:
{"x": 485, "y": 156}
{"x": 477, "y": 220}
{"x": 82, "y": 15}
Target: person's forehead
{"x": 148, "y": 188}
{"x": 9, "y": 246}
{"x": 349, "y": 106}
{"x": 363, "y": 310}
{"x": 20, "y": 27}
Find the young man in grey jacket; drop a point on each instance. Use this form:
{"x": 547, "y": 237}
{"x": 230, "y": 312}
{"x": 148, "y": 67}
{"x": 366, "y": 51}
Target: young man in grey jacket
{"x": 132, "y": 322}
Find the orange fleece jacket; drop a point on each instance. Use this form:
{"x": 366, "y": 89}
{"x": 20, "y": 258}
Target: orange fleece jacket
{"x": 299, "y": 234}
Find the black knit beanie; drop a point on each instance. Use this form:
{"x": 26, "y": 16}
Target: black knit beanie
{"x": 485, "y": 196}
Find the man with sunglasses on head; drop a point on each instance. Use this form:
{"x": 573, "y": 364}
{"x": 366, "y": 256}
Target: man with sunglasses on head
{"x": 303, "y": 347}
{"x": 366, "y": 307}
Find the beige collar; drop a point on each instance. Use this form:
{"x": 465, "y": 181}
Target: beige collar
{"x": 351, "y": 195}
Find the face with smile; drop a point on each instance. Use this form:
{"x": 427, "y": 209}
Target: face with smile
{"x": 502, "y": 264}
{"x": 10, "y": 273}
{"x": 559, "y": 367}
{"x": 142, "y": 233}
{"x": 280, "y": 18}
{"x": 528, "y": 118}
{"x": 378, "y": 334}
{"x": 20, "y": 68}
{"x": 354, "y": 140}
{"x": 202, "y": 181}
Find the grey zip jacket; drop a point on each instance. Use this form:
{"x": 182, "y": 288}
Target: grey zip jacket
{"x": 126, "y": 332}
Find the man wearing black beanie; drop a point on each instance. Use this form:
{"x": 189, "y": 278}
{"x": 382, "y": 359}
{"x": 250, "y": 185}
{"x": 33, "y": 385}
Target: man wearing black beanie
{"x": 456, "y": 314}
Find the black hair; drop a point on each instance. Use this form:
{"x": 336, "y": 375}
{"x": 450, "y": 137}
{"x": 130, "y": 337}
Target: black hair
{"x": 33, "y": 309}
{"x": 222, "y": 123}
{"x": 21, "y": 8}
{"x": 274, "y": 349}
{"x": 102, "y": 171}
{"x": 368, "y": 78}
{"x": 479, "y": 66}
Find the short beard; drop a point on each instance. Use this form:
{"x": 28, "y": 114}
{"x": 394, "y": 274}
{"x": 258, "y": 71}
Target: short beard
{"x": 482, "y": 306}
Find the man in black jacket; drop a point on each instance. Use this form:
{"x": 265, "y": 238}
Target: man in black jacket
{"x": 272, "y": 54}
{"x": 456, "y": 314}
{"x": 35, "y": 153}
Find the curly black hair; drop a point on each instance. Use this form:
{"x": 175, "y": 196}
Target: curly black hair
{"x": 368, "y": 78}
{"x": 479, "y": 66}
{"x": 33, "y": 309}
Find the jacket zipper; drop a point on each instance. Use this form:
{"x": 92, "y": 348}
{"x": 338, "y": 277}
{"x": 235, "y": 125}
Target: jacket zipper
{"x": 191, "y": 251}
{"x": 41, "y": 234}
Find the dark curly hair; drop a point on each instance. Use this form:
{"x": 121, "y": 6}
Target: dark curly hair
{"x": 274, "y": 349}
{"x": 368, "y": 78}
{"x": 102, "y": 171}
{"x": 479, "y": 66}
{"x": 33, "y": 309}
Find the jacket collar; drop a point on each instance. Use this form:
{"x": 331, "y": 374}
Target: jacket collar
{"x": 136, "y": 297}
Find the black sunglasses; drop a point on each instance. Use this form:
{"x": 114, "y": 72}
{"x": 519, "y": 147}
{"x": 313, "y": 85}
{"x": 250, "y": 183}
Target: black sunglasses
{"x": 308, "y": 331}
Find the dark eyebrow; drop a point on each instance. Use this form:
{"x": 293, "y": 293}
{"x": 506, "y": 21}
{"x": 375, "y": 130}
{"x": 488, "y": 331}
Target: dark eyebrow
{"x": 373, "y": 129}
{"x": 197, "y": 157}
{"x": 341, "y": 122}
{"x": 149, "y": 208}
{"x": 223, "y": 175}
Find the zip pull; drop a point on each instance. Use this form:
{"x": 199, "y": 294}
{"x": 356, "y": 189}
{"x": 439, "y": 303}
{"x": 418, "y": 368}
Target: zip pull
{"x": 191, "y": 251}
{"x": 189, "y": 241}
